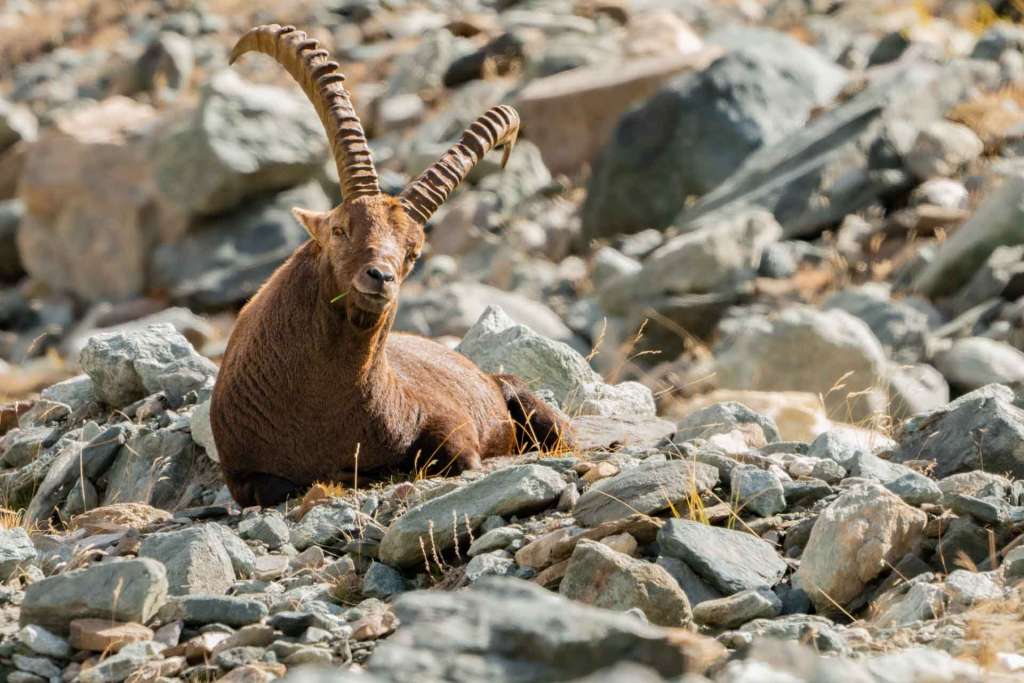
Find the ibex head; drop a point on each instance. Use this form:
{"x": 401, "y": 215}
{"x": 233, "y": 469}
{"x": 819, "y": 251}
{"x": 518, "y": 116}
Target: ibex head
{"x": 370, "y": 241}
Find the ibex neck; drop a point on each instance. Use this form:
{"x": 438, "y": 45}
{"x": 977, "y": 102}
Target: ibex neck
{"x": 361, "y": 352}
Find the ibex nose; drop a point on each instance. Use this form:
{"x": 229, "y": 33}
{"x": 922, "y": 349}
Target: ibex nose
{"x": 380, "y": 276}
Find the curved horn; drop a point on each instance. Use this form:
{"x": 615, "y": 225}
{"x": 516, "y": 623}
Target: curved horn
{"x": 320, "y": 79}
{"x": 499, "y": 126}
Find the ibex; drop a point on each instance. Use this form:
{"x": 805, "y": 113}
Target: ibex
{"x": 314, "y": 386}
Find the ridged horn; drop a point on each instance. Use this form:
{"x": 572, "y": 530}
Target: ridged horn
{"x": 321, "y": 80}
{"x": 499, "y": 126}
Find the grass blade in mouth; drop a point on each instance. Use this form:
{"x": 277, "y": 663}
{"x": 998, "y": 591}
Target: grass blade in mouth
{"x": 339, "y": 297}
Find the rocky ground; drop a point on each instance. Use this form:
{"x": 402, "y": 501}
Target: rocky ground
{"x": 767, "y": 254}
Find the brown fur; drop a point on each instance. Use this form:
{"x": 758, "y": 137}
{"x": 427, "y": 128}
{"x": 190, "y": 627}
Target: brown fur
{"x": 307, "y": 384}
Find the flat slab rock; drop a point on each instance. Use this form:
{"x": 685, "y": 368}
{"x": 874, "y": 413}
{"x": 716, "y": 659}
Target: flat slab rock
{"x": 439, "y": 522}
{"x": 645, "y": 489}
{"x": 731, "y": 561}
{"x": 505, "y": 629}
{"x": 140, "y": 586}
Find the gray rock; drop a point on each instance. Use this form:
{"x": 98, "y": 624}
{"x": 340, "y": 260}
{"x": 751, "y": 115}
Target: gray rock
{"x": 941, "y": 192}
{"x": 646, "y": 489}
{"x": 496, "y": 539}
{"x": 381, "y": 581}
{"x": 1000, "y": 277}
{"x": 737, "y": 609}
{"x": 696, "y": 589}
{"x": 498, "y": 345}
{"x": 998, "y": 38}
{"x": 714, "y": 256}
{"x": 195, "y": 559}
{"x": 833, "y": 346}
{"x": 224, "y": 260}
{"x": 982, "y": 430}
{"x": 120, "y": 666}
{"x": 325, "y": 524}
{"x": 156, "y": 468}
{"x": 242, "y": 140}
{"x": 454, "y": 308}
{"x": 243, "y": 560}
{"x": 974, "y": 483}
{"x": 125, "y": 367}
{"x": 600, "y": 576}
{"x": 16, "y": 552}
{"x": 268, "y": 528}
{"x": 915, "y": 388}
{"x": 40, "y": 666}
{"x": 214, "y": 609}
{"x": 41, "y": 641}
{"x": 973, "y": 362}
{"x": 731, "y": 561}
{"x": 967, "y": 588}
{"x": 998, "y": 221}
{"x": 19, "y": 447}
{"x": 496, "y": 563}
{"x": 504, "y": 629}
{"x": 902, "y": 606}
{"x": 817, "y": 631}
{"x": 901, "y": 326}
{"x": 438, "y": 523}
{"x": 941, "y": 148}
{"x": 722, "y": 418}
{"x": 843, "y": 161}
{"x": 915, "y": 489}
{"x": 861, "y": 534}
{"x": 140, "y": 587}
{"x": 758, "y": 491}
{"x": 700, "y": 128}
{"x": 75, "y": 393}
{"x": 1013, "y": 564}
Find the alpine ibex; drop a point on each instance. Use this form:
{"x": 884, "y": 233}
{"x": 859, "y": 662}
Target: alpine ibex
{"x": 314, "y": 386}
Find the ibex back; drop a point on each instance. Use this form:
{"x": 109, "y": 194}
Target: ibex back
{"x": 314, "y": 386}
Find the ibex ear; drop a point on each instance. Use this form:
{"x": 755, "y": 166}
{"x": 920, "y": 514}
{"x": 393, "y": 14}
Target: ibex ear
{"x": 315, "y": 223}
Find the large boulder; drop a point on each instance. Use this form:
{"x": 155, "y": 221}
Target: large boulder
{"x": 243, "y": 140}
{"x": 863, "y": 533}
{"x": 599, "y": 576}
{"x": 845, "y": 159}
{"x": 982, "y": 430}
{"x": 700, "y": 128}
{"x": 504, "y": 629}
{"x": 195, "y": 560}
{"x": 93, "y": 212}
{"x": 129, "y": 365}
{"x": 224, "y": 260}
{"x": 498, "y": 345}
{"x": 973, "y": 362}
{"x": 575, "y": 111}
{"x": 999, "y": 221}
{"x": 838, "y": 358}
{"x": 132, "y": 590}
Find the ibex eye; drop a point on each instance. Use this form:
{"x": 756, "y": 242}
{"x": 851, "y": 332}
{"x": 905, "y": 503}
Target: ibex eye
{"x": 339, "y": 232}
